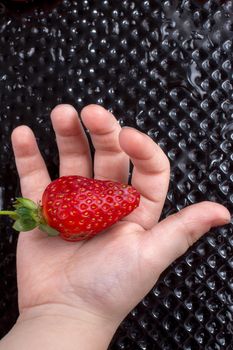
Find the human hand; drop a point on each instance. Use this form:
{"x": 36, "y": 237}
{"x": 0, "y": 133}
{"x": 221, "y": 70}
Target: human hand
{"x": 105, "y": 277}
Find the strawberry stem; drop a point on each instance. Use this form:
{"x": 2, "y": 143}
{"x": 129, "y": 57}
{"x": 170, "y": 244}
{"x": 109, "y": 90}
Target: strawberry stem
{"x": 27, "y": 216}
{"x": 8, "y": 212}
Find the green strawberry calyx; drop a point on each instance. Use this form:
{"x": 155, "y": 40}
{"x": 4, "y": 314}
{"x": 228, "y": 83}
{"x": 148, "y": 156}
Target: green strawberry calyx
{"x": 27, "y": 216}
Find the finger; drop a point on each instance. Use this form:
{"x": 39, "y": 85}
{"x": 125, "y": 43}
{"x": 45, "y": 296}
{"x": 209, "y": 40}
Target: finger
{"x": 31, "y": 167}
{"x": 110, "y": 162}
{"x": 172, "y": 237}
{"x": 150, "y": 175}
{"x": 74, "y": 152}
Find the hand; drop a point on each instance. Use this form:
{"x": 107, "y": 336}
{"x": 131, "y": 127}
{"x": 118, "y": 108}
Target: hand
{"x": 107, "y": 276}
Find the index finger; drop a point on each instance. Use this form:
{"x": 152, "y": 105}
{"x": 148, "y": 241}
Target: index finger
{"x": 150, "y": 175}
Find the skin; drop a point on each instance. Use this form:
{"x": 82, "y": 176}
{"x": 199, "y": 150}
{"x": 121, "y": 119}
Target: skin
{"x": 74, "y": 295}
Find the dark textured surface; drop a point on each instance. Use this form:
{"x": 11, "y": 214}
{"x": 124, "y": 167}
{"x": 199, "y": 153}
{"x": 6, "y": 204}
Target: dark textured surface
{"x": 166, "y": 69}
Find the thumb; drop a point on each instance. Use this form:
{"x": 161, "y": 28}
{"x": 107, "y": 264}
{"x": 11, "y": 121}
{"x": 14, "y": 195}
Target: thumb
{"x": 172, "y": 237}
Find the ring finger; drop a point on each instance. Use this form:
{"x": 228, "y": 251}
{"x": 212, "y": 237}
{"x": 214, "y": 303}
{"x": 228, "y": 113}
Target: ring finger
{"x": 74, "y": 152}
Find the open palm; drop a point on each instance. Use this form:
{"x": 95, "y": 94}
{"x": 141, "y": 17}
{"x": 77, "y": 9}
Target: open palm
{"x": 109, "y": 274}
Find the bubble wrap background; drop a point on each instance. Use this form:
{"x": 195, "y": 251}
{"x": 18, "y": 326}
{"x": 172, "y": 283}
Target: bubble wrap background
{"x": 164, "y": 67}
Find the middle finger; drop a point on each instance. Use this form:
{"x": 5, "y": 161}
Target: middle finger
{"x": 110, "y": 163}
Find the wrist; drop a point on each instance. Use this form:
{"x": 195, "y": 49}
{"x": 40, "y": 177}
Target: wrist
{"x": 61, "y": 327}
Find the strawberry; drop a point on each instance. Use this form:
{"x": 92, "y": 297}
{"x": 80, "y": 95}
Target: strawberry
{"x": 75, "y": 207}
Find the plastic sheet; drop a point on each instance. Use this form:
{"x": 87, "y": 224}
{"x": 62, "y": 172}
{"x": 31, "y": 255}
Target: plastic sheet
{"x": 164, "y": 67}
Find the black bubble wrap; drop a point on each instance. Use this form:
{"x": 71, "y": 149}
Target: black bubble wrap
{"x": 164, "y": 67}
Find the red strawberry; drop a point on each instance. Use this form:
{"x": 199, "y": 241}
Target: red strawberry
{"x": 76, "y": 207}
